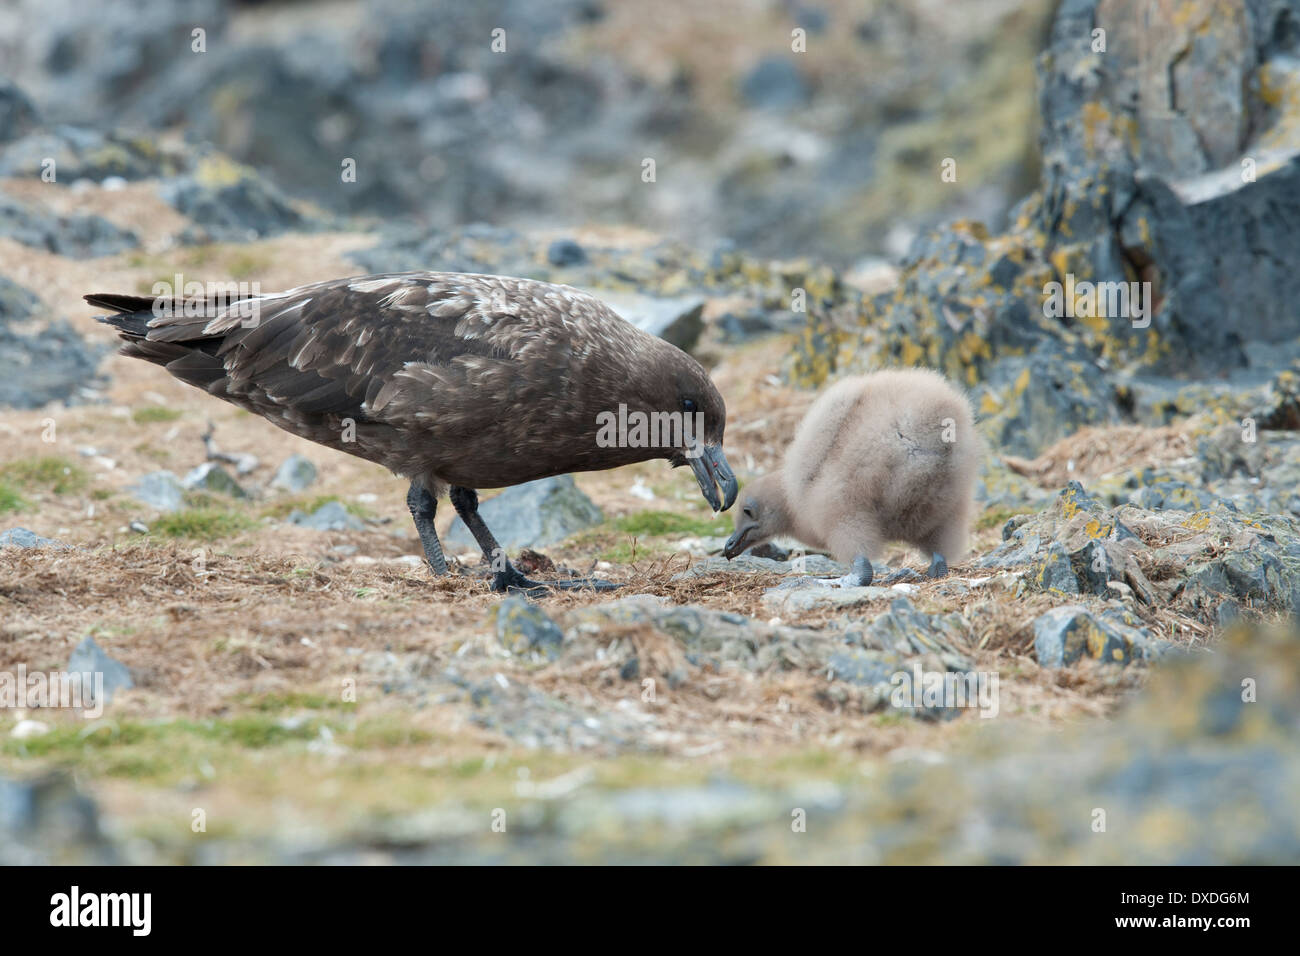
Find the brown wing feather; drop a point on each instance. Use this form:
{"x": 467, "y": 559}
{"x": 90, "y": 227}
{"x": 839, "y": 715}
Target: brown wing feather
{"x": 442, "y": 353}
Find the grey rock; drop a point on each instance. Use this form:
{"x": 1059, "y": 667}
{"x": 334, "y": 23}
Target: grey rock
{"x": 22, "y": 538}
{"x": 1178, "y": 496}
{"x": 82, "y": 153}
{"x": 331, "y": 516}
{"x": 775, "y": 83}
{"x": 531, "y": 515}
{"x": 15, "y": 302}
{"x": 866, "y": 667}
{"x": 17, "y": 114}
{"x": 249, "y": 208}
{"x": 905, "y": 631}
{"x": 160, "y": 490}
{"x": 295, "y": 474}
{"x": 210, "y": 476}
{"x": 76, "y": 237}
{"x": 1224, "y": 454}
{"x": 817, "y": 565}
{"x": 523, "y": 627}
{"x": 49, "y": 821}
{"x": 821, "y": 597}
{"x": 53, "y": 365}
{"x": 678, "y": 321}
{"x": 534, "y": 719}
{"x": 563, "y": 253}
{"x": 90, "y": 658}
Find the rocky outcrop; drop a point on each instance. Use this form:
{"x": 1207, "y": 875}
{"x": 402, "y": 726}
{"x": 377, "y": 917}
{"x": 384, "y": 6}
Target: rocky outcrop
{"x": 1156, "y": 242}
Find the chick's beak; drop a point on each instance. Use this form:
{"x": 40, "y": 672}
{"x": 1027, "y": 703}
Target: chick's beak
{"x": 736, "y": 543}
{"x": 711, "y": 470}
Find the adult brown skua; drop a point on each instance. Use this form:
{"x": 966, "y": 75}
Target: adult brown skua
{"x": 453, "y": 381}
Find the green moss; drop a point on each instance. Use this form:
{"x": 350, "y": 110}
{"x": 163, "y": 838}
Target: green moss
{"x": 293, "y": 700}
{"x": 51, "y": 472}
{"x": 388, "y": 735}
{"x": 204, "y": 523}
{"x": 154, "y": 413}
{"x": 652, "y": 523}
{"x": 10, "y": 500}
{"x": 163, "y": 749}
{"x": 281, "y": 509}
{"x": 996, "y": 517}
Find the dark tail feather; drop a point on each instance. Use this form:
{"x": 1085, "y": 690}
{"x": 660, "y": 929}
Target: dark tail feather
{"x": 122, "y": 304}
{"x": 131, "y": 313}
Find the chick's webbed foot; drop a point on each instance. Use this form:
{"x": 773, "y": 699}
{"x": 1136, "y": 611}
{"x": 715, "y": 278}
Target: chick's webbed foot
{"x": 859, "y": 576}
{"x": 938, "y": 566}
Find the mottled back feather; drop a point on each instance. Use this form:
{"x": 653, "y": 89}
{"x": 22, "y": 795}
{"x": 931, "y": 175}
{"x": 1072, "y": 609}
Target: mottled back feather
{"x": 468, "y": 379}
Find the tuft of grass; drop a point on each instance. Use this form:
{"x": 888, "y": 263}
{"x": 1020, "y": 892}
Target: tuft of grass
{"x": 154, "y": 413}
{"x": 10, "y": 500}
{"x": 59, "y": 475}
{"x": 206, "y": 524}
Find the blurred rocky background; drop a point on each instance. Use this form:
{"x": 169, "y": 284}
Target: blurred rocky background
{"x": 830, "y": 152}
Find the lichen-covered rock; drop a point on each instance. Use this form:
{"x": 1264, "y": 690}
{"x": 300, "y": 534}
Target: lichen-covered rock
{"x": 1170, "y": 162}
{"x": 523, "y": 627}
{"x": 1065, "y": 634}
{"x": 1178, "y": 496}
{"x": 1140, "y": 249}
{"x": 231, "y": 203}
{"x": 1196, "y": 560}
{"x": 81, "y": 153}
{"x": 1280, "y": 408}
{"x": 906, "y": 631}
{"x": 1027, "y": 403}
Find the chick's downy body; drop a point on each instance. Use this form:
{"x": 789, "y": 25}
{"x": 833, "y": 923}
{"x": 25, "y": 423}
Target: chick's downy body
{"x": 889, "y": 456}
